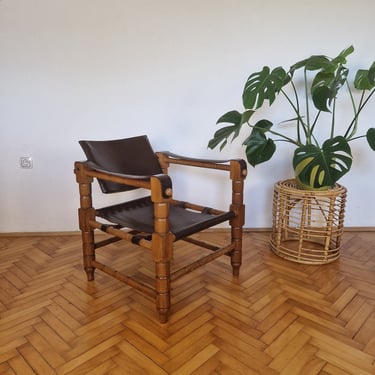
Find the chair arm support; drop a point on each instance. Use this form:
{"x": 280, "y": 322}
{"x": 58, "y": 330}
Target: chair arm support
{"x": 167, "y": 158}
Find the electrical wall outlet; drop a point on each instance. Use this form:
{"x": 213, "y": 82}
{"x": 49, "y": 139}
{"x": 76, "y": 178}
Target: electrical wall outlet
{"x": 26, "y": 162}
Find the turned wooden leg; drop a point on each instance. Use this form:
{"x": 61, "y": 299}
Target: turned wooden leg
{"x": 238, "y": 175}
{"x": 88, "y": 253}
{"x": 162, "y": 245}
{"x": 236, "y": 254}
{"x": 88, "y": 245}
{"x": 162, "y": 271}
{"x": 86, "y": 213}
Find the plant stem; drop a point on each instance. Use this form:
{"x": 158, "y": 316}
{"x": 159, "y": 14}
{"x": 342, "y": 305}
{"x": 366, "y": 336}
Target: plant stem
{"x": 296, "y": 109}
{"x": 354, "y": 138}
{"x": 313, "y": 126}
{"x": 354, "y": 122}
{"x": 308, "y": 130}
{"x": 285, "y": 138}
{"x": 333, "y": 118}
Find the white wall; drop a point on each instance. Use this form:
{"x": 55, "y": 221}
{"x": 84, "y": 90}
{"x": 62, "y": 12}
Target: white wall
{"x": 73, "y": 69}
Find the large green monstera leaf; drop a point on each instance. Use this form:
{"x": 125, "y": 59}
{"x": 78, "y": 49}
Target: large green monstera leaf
{"x": 365, "y": 79}
{"x": 325, "y": 87}
{"x": 329, "y": 79}
{"x": 259, "y": 148}
{"x": 317, "y": 168}
{"x": 223, "y": 135}
{"x": 263, "y": 86}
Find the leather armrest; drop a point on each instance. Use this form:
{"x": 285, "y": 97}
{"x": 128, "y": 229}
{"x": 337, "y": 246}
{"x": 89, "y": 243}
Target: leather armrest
{"x": 228, "y": 165}
{"x": 172, "y": 156}
{"x": 97, "y": 168}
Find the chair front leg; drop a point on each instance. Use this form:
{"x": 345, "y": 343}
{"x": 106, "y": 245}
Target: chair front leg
{"x": 163, "y": 294}
{"x": 162, "y": 242}
{"x": 86, "y": 213}
{"x": 88, "y": 245}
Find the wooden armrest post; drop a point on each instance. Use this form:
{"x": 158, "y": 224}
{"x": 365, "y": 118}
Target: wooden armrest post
{"x": 238, "y": 173}
{"x": 86, "y": 213}
{"x": 163, "y": 161}
{"x": 162, "y": 243}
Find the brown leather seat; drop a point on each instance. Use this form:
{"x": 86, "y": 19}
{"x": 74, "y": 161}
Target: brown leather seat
{"x": 154, "y": 221}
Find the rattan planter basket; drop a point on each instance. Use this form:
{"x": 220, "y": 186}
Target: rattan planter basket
{"x": 307, "y": 225}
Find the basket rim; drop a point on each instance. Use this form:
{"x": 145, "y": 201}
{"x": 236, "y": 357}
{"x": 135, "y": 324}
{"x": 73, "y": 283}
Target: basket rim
{"x": 291, "y": 184}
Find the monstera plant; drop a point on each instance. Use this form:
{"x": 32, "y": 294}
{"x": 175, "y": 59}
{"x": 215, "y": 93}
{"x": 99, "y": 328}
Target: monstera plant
{"x": 310, "y": 88}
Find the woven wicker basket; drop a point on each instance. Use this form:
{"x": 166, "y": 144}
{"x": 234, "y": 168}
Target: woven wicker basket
{"x": 307, "y": 225}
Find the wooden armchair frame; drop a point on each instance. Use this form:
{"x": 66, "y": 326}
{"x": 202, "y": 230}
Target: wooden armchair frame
{"x": 161, "y": 240}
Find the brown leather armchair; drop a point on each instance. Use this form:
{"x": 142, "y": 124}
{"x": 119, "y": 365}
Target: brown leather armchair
{"x": 154, "y": 221}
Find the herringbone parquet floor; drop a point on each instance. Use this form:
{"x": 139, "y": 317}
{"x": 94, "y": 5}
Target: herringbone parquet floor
{"x": 277, "y": 318}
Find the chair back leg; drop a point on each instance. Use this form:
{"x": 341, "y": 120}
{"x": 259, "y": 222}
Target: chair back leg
{"x": 238, "y": 174}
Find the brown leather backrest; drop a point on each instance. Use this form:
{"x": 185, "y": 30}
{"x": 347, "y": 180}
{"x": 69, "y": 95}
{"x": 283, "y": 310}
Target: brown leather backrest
{"x": 129, "y": 156}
